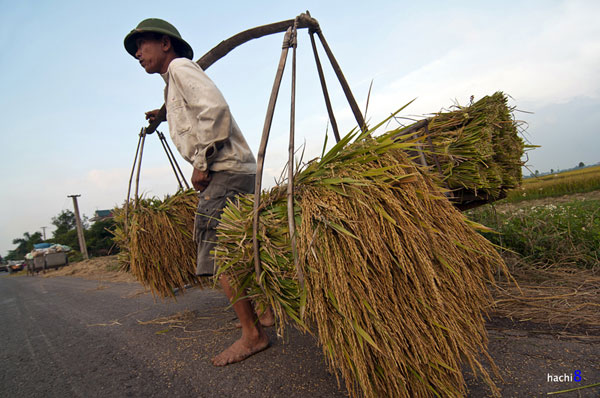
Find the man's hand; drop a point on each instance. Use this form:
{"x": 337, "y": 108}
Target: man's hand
{"x": 200, "y": 179}
{"x": 151, "y": 115}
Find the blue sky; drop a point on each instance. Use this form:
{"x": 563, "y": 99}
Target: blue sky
{"x": 73, "y": 100}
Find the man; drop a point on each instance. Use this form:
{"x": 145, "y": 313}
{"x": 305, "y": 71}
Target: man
{"x": 205, "y": 133}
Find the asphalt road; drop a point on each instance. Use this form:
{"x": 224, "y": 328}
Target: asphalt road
{"x": 69, "y": 337}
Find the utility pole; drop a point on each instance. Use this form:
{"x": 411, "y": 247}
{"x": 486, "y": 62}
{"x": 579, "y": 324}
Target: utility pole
{"x": 44, "y": 231}
{"x": 80, "y": 235}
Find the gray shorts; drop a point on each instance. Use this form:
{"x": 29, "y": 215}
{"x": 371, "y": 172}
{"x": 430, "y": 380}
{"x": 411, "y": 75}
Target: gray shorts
{"x": 212, "y": 201}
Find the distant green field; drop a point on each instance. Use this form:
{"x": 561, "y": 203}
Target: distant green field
{"x": 565, "y": 183}
{"x": 564, "y": 233}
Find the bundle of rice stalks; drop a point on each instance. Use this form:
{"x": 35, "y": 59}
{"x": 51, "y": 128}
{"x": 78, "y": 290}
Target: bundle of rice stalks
{"x": 477, "y": 147}
{"x": 395, "y": 277}
{"x": 157, "y": 245}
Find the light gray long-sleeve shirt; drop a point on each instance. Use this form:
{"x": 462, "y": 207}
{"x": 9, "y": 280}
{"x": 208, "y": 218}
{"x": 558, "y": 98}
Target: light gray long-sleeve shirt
{"x": 200, "y": 120}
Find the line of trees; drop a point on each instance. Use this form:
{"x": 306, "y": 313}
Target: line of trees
{"x": 537, "y": 173}
{"x": 98, "y": 237}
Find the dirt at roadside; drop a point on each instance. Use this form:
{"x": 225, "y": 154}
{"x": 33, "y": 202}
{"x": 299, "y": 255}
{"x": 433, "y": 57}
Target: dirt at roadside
{"x": 99, "y": 268}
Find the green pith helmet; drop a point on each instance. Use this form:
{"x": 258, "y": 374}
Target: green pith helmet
{"x": 158, "y": 26}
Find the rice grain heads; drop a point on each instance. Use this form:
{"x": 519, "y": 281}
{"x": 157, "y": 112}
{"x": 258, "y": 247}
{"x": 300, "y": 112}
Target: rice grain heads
{"x": 158, "y": 246}
{"x": 395, "y": 277}
{"x": 478, "y": 147}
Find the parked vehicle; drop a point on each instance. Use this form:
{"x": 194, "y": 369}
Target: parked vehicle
{"x": 16, "y": 265}
{"x": 3, "y": 267}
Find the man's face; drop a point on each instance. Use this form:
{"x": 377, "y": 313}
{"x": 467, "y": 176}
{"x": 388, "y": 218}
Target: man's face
{"x": 152, "y": 53}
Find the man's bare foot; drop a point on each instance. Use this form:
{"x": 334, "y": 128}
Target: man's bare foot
{"x": 241, "y": 349}
{"x": 266, "y": 319}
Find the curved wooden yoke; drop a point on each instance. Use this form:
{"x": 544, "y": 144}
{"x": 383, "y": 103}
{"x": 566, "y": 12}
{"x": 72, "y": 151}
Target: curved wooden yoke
{"x": 303, "y": 21}
{"x": 290, "y": 28}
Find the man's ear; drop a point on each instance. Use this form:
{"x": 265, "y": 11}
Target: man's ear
{"x": 166, "y": 43}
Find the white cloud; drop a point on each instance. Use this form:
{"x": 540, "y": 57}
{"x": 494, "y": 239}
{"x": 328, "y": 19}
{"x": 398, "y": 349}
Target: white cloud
{"x": 553, "y": 63}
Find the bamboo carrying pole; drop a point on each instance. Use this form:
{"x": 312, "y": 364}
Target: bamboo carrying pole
{"x": 291, "y": 150}
{"x": 139, "y": 168}
{"x": 137, "y": 161}
{"x": 263, "y": 147}
{"x": 334, "y": 126}
{"x": 137, "y": 152}
{"x": 290, "y": 40}
{"x": 174, "y": 165}
{"x": 303, "y": 20}
{"x": 342, "y": 79}
{"x": 226, "y": 46}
